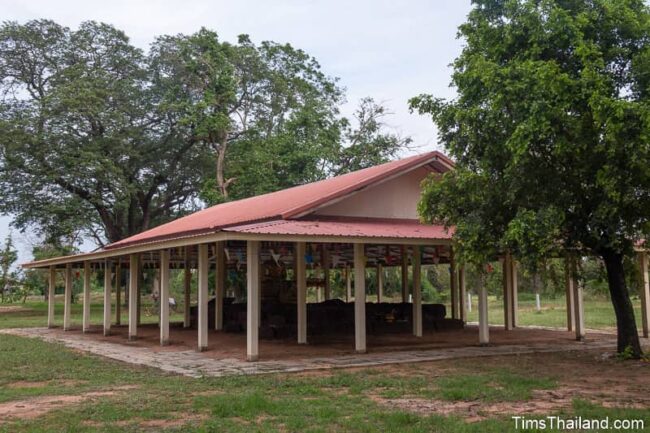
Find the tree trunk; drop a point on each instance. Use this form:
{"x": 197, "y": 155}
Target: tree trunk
{"x": 628, "y": 336}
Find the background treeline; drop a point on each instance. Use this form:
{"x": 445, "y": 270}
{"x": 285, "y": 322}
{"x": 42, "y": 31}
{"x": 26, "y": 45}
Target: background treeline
{"x": 101, "y": 139}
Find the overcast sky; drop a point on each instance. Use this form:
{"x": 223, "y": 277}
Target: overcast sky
{"x": 389, "y": 50}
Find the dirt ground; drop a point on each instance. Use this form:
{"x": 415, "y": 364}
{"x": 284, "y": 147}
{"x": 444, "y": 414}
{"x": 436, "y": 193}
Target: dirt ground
{"x": 592, "y": 376}
{"x": 222, "y": 345}
{"x": 39, "y": 406}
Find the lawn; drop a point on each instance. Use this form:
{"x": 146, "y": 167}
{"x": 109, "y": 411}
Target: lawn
{"x": 34, "y": 313}
{"x": 599, "y": 312}
{"x": 94, "y": 394}
{"x": 45, "y": 387}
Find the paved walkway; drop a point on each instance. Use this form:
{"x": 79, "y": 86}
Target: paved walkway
{"x": 196, "y": 364}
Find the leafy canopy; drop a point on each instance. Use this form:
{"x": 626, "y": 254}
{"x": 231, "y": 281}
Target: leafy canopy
{"x": 98, "y": 136}
{"x": 550, "y": 129}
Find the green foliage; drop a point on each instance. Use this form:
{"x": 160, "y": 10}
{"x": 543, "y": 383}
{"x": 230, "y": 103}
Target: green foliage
{"x": 551, "y": 135}
{"x": 626, "y": 354}
{"x": 85, "y": 143}
{"x": 100, "y": 138}
{"x": 549, "y": 131}
{"x": 8, "y": 256}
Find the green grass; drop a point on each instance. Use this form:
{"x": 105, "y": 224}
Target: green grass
{"x": 34, "y": 313}
{"x": 599, "y": 313}
{"x": 343, "y": 401}
{"x": 340, "y": 402}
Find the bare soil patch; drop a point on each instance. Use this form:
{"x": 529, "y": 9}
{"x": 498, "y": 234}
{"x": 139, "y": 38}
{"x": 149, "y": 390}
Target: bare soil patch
{"x": 12, "y": 308}
{"x": 590, "y": 376}
{"x": 38, "y": 406}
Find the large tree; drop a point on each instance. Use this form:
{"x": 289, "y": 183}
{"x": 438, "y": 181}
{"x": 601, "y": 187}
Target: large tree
{"x": 97, "y": 135}
{"x": 550, "y": 131}
{"x": 83, "y": 143}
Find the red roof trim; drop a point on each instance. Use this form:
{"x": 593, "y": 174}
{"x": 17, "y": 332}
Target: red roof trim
{"x": 284, "y": 204}
{"x": 349, "y": 228}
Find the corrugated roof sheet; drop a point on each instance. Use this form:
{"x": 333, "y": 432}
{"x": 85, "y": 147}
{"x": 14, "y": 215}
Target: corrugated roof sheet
{"x": 348, "y": 227}
{"x": 285, "y": 204}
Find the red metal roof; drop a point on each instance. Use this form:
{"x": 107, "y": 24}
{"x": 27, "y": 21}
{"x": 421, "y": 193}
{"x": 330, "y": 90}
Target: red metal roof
{"x": 284, "y": 204}
{"x": 348, "y": 227}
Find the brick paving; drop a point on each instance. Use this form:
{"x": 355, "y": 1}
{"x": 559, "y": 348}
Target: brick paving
{"x": 196, "y": 364}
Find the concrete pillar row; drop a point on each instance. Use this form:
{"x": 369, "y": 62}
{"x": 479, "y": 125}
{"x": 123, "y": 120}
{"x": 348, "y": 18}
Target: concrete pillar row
{"x": 67, "y": 302}
{"x": 187, "y": 286}
{"x": 220, "y": 285}
{"x": 133, "y": 296}
{"x": 85, "y": 327}
{"x": 453, "y": 286}
{"x": 107, "y": 296}
{"x": 359, "y": 298}
{"x": 483, "y": 326}
{"x": 253, "y": 300}
{"x": 164, "y": 297}
{"x": 118, "y": 292}
{"x": 417, "y": 293}
{"x": 301, "y": 287}
{"x": 204, "y": 269}
{"x": 51, "y": 296}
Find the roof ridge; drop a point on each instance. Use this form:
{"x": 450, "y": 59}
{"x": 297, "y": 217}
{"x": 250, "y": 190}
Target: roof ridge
{"x": 282, "y": 204}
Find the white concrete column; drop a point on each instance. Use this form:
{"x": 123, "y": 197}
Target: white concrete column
{"x": 570, "y": 303}
{"x": 359, "y": 298}
{"x": 118, "y": 292}
{"x": 644, "y": 292}
{"x": 462, "y": 292}
{"x": 301, "y": 295}
{"x": 578, "y": 306}
{"x": 85, "y": 323}
{"x": 187, "y": 287}
{"x": 51, "y": 296}
{"x": 107, "y": 297}
{"x": 405, "y": 275}
{"x": 417, "y": 292}
{"x": 164, "y": 297}
{"x": 220, "y": 285}
{"x": 348, "y": 283}
{"x": 326, "y": 273}
{"x": 514, "y": 295}
{"x": 453, "y": 286}
{"x": 483, "y": 327}
{"x": 67, "y": 303}
{"x": 204, "y": 269}
{"x": 507, "y": 292}
{"x": 253, "y": 300}
{"x": 133, "y": 296}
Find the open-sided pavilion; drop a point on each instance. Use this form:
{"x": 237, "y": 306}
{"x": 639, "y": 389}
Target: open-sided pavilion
{"x": 364, "y": 219}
